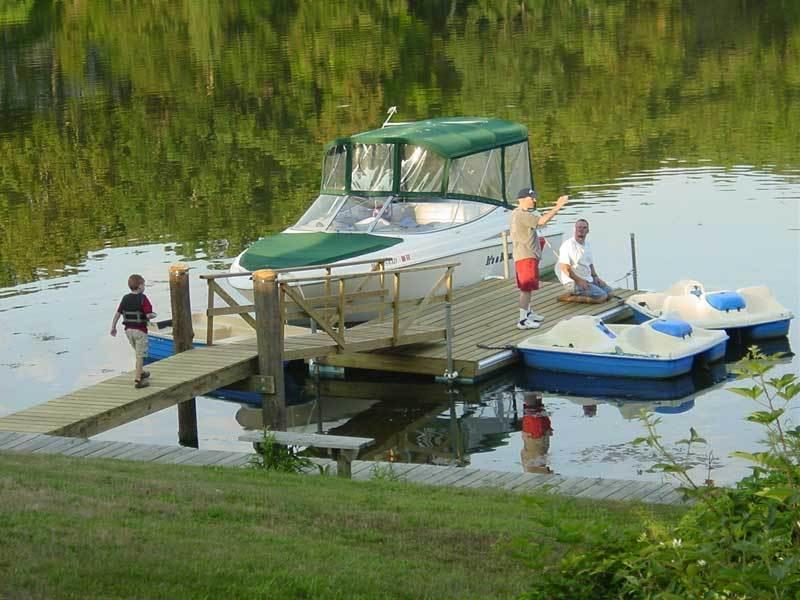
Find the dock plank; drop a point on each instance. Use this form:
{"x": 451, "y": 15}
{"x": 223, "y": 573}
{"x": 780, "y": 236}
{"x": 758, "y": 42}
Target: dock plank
{"x": 424, "y": 474}
{"x": 486, "y": 314}
{"x": 115, "y": 401}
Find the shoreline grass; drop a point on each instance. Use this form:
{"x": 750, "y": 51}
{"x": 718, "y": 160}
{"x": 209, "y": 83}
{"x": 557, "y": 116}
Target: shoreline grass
{"x": 80, "y": 528}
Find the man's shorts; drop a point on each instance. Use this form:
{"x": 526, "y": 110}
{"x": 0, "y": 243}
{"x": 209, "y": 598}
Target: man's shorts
{"x": 138, "y": 340}
{"x": 527, "y": 274}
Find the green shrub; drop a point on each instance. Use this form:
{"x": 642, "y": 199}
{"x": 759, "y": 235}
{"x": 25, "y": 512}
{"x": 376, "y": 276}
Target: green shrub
{"x": 271, "y": 456}
{"x": 740, "y": 542}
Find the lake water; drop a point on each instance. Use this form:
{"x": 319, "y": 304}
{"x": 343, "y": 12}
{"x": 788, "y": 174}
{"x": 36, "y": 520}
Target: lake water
{"x": 136, "y": 136}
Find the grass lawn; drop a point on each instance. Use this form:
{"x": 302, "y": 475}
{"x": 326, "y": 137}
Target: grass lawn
{"x": 79, "y": 528}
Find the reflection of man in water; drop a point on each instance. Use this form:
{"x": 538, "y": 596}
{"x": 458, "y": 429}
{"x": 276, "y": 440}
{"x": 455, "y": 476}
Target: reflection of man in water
{"x": 536, "y": 432}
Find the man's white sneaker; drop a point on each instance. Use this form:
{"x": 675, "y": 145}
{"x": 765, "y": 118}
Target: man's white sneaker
{"x": 534, "y": 316}
{"x": 527, "y": 324}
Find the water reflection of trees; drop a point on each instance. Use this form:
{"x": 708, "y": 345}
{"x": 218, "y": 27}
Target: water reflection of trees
{"x": 204, "y": 121}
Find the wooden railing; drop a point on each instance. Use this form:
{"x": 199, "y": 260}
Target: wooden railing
{"x": 327, "y": 303}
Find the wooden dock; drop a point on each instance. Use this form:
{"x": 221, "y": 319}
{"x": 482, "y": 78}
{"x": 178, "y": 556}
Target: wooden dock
{"x": 411, "y": 340}
{"x": 115, "y": 401}
{"x": 485, "y": 313}
{"x": 590, "y": 488}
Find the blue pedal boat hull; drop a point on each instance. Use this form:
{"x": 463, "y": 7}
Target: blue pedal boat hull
{"x": 759, "y": 331}
{"x": 607, "y": 366}
{"x": 658, "y": 349}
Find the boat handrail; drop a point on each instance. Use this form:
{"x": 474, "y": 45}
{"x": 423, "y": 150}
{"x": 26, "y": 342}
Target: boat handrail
{"x": 370, "y": 273}
{"x": 294, "y": 269}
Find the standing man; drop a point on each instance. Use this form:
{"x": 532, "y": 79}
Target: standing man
{"x": 527, "y": 251}
{"x": 575, "y": 267}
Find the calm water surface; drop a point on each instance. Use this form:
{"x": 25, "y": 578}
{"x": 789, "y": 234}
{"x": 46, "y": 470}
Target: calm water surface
{"x": 679, "y": 125}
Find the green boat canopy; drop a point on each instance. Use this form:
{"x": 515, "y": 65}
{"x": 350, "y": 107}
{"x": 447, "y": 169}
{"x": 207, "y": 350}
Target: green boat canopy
{"x": 288, "y": 250}
{"x": 448, "y": 137}
{"x": 469, "y": 158}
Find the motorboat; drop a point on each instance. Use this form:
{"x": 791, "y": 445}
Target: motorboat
{"x": 751, "y": 311}
{"x": 415, "y": 194}
{"x": 657, "y": 349}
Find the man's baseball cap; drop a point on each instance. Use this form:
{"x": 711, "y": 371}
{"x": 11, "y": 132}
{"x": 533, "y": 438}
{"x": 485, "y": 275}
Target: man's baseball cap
{"x": 525, "y": 192}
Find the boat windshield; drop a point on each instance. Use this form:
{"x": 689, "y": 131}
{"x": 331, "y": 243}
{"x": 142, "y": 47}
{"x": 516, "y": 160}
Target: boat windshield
{"x": 388, "y": 214}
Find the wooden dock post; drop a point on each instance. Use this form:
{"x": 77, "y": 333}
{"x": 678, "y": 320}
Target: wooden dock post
{"x": 269, "y": 339}
{"x": 182, "y": 336}
{"x": 634, "y": 268}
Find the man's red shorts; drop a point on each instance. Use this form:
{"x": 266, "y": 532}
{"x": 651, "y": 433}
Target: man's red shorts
{"x": 527, "y": 274}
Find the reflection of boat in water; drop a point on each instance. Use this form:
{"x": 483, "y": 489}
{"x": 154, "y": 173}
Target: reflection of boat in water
{"x": 656, "y": 349}
{"x": 738, "y": 348}
{"x": 632, "y": 409}
{"x": 411, "y": 419}
{"x": 413, "y": 194}
{"x": 624, "y": 387}
{"x": 752, "y": 311}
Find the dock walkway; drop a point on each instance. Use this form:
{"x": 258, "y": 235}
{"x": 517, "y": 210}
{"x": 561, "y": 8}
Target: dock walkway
{"x": 592, "y": 488}
{"x": 113, "y": 402}
{"x": 484, "y": 313}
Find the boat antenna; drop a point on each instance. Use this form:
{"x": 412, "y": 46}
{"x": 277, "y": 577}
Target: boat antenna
{"x": 392, "y": 110}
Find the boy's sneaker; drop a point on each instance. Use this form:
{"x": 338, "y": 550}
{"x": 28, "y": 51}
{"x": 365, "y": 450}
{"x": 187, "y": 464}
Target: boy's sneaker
{"x": 141, "y": 384}
{"x": 527, "y": 324}
{"x": 534, "y": 316}
{"x": 145, "y": 374}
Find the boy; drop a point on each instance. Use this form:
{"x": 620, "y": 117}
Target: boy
{"x": 135, "y": 310}
{"x": 527, "y": 251}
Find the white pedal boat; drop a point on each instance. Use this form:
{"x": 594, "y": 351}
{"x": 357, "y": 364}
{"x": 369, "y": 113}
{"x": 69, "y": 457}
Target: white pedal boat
{"x": 751, "y": 311}
{"x": 414, "y": 194}
{"x": 656, "y": 349}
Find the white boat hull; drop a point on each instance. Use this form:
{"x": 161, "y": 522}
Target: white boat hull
{"x": 478, "y": 260}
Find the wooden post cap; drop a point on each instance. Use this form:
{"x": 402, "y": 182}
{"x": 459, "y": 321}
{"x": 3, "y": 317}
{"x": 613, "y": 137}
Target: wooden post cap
{"x": 178, "y": 268}
{"x": 265, "y": 275}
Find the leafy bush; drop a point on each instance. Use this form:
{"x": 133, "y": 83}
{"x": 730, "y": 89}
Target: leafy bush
{"x": 384, "y": 472}
{"x": 740, "y": 542}
{"x": 272, "y": 456}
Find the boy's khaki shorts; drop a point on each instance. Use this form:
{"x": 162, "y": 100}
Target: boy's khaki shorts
{"x": 138, "y": 340}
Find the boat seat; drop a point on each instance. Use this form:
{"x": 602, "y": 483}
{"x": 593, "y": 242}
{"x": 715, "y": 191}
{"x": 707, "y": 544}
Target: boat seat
{"x": 431, "y": 212}
{"x": 685, "y": 287}
{"x": 759, "y": 300}
{"x": 404, "y": 215}
{"x": 649, "y": 341}
{"x": 688, "y": 306}
{"x": 583, "y": 332}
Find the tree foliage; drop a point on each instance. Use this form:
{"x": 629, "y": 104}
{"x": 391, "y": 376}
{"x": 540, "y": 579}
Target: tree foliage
{"x": 203, "y": 122}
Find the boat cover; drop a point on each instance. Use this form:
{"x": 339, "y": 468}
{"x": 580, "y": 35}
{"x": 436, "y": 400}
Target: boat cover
{"x": 673, "y": 327}
{"x": 726, "y": 300}
{"x": 287, "y": 250}
{"x": 451, "y": 137}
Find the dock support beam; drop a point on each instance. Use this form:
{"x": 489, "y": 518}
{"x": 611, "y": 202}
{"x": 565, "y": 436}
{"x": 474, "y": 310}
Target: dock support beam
{"x": 269, "y": 338}
{"x": 182, "y": 336}
{"x": 634, "y": 268}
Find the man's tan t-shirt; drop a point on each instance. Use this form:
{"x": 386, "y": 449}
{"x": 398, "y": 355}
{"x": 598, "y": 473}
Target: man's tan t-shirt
{"x": 523, "y": 234}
